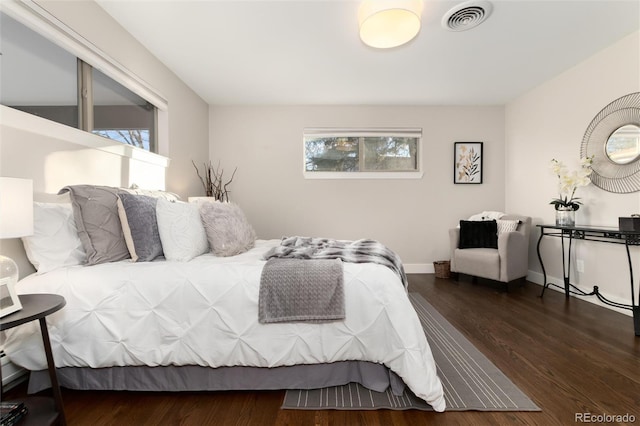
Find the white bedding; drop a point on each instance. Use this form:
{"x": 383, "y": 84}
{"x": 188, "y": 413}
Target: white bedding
{"x": 205, "y": 312}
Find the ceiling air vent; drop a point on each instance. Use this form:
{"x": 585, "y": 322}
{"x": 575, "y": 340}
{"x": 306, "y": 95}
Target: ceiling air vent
{"x": 467, "y": 15}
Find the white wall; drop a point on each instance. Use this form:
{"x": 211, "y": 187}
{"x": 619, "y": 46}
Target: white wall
{"x": 549, "y": 122}
{"x": 410, "y": 216}
{"x": 188, "y": 122}
{"x": 52, "y": 162}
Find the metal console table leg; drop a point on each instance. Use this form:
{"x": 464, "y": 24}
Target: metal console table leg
{"x": 606, "y": 235}
{"x": 545, "y": 284}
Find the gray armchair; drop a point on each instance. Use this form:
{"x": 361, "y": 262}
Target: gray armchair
{"x": 509, "y": 262}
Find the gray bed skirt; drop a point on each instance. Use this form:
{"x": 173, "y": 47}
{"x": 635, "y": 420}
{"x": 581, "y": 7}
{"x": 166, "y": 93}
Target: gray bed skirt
{"x": 373, "y": 376}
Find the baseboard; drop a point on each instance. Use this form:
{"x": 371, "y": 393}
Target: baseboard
{"x": 12, "y": 375}
{"x": 538, "y": 278}
{"x": 418, "y": 268}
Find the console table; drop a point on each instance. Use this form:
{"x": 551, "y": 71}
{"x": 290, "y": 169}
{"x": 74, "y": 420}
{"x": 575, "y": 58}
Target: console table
{"x": 609, "y": 235}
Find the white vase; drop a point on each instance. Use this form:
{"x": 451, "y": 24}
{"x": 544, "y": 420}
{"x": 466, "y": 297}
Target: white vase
{"x": 565, "y": 217}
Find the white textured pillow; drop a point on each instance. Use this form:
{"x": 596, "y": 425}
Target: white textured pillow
{"x": 181, "y": 231}
{"x": 55, "y": 242}
{"x": 228, "y": 231}
{"x": 507, "y": 225}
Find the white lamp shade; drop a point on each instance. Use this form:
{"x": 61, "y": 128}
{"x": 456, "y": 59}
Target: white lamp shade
{"x": 16, "y": 207}
{"x": 389, "y": 23}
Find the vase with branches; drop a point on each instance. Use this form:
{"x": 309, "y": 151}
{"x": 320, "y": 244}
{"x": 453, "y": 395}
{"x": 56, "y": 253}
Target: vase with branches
{"x": 212, "y": 179}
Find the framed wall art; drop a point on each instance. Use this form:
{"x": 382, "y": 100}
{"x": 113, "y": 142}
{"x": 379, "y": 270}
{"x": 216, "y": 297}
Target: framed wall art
{"x": 467, "y": 162}
{"x": 9, "y": 301}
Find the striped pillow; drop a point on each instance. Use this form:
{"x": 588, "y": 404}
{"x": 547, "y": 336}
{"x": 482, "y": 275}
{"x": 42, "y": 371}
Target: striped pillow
{"x": 507, "y": 225}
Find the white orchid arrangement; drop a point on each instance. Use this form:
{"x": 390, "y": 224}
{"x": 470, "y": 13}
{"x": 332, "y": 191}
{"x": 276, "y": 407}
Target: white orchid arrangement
{"x": 569, "y": 181}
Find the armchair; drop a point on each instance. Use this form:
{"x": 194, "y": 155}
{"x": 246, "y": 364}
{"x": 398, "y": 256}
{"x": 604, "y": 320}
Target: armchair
{"x": 510, "y": 261}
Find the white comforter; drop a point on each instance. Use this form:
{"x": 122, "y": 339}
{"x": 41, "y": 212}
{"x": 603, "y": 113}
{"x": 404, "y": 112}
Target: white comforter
{"x": 205, "y": 312}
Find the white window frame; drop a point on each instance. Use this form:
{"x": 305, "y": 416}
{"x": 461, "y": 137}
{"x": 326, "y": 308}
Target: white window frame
{"x": 364, "y": 132}
{"x": 44, "y": 23}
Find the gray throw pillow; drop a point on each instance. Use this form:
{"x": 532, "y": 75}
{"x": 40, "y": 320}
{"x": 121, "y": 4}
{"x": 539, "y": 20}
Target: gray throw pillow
{"x": 95, "y": 212}
{"x": 139, "y": 225}
{"x": 228, "y": 231}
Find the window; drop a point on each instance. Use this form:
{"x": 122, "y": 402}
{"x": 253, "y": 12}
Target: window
{"x": 41, "y": 78}
{"x": 370, "y": 153}
{"x": 37, "y": 76}
{"x": 120, "y": 114}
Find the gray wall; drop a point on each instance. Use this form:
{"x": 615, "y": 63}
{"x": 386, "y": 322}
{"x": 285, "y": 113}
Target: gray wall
{"x": 411, "y": 216}
{"x": 188, "y": 125}
{"x": 52, "y": 162}
{"x": 550, "y": 122}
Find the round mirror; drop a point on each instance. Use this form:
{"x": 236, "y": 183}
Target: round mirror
{"x": 623, "y": 146}
{"x": 612, "y": 140}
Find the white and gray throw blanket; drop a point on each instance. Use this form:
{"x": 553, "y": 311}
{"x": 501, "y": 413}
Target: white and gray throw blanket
{"x": 359, "y": 251}
{"x": 303, "y": 277}
{"x": 301, "y": 290}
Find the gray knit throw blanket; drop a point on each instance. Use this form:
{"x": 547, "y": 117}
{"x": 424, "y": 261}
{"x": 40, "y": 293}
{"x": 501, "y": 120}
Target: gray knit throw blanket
{"x": 301, "y": 290}
{"x": 359, "y": 251}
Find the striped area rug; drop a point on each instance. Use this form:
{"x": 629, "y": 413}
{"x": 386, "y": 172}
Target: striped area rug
{"x": 469, "y": 379}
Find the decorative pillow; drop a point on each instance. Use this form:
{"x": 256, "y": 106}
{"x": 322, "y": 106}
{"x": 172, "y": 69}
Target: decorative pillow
{"x": 487, "y": 215}
{"x": 55, "y": 242}
{"x": 181, "y": 231}
{"x": 140, "y": 226}
{"x": 228, "y": 231}
{"x": 135, "y": 189}
{"x": 478, "y": 234}
{"x": 505, "y": 225}
{"x": 95, "y": 211}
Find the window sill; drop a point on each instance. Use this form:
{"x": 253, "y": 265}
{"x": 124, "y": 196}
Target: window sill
{"x": 20, "y": 120}
{"x": 363, "y": 175}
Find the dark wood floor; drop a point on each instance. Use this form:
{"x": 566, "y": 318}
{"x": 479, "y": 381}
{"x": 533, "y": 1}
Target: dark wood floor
{"x": 569, "y": 356}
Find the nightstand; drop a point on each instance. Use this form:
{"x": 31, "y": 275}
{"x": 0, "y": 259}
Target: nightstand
{"x": 42, "y": 411}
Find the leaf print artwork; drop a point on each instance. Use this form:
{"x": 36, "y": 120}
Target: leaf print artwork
{"x": 468, "y": 165}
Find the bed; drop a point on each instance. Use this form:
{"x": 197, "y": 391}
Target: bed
{"x": 193, "y": 325}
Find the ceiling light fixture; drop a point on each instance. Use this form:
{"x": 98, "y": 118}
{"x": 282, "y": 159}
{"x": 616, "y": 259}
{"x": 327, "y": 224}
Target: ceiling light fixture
{"x": 389, "y": 23}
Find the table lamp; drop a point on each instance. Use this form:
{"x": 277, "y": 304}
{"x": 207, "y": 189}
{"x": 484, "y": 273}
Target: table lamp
{"x": 16, "y": 220}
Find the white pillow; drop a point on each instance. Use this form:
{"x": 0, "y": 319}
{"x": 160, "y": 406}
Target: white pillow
{"x": 181, "y": 231}
{"x": 487, "y": 215}
{"x": 505, "y": 225}
{"x": 55, "y": 242}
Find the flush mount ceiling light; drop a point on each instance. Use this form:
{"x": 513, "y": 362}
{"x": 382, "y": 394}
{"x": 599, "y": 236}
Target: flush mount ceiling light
{"x": 467, "y": 15}
{"x": 389, "y": 23}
